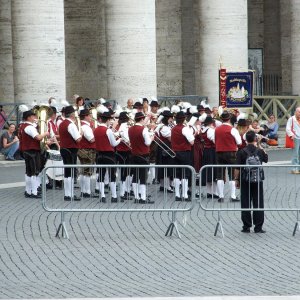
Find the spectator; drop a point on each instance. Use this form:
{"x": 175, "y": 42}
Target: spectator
{"x": 9, "y": 142}
{"x": 272, "y": 128}
{"x": 3, "y": 117}
{"x": 293, "y": 131}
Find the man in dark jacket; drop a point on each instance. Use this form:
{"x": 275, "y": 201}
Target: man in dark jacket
{"x": 251, "y": 189}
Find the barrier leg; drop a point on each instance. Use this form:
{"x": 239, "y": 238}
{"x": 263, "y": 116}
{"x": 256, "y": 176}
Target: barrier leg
{"x": 219, "y": 225}
{"x": 172, "y": 226}
{"x": 62, "y": 227}
{"x": 297, "y": 224}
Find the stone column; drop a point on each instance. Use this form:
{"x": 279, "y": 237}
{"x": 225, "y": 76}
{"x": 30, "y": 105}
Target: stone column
{"x": 285, "y": 22}
{"x": 131, "y": 49}
{"x": 295, "y": 46}
{"x": 38, "y": 50}
{"x": 168, "y": 45}
{"x": 223, "y": 33}
{"x": 6, "y": 62}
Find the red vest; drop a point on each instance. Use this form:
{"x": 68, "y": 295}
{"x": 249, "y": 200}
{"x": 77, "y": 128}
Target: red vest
{"x": 207, "y": 142}
{"x": 137, "y": 140}
{"x": 66, "y": 140}
{"x": 84, "y": 143}
{"x": 102, "y": 141}
{"x": 243, "y": 144}
{"x": 52, "y": 126}
{"x": 26, "y": 141}
{"x": 225, "y": 142}
{"x": 178, "y": 140}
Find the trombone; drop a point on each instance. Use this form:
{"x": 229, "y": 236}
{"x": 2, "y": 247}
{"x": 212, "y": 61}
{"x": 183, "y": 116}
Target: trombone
{"x": 163, "y": 146}
{"x": 119, "y": 134}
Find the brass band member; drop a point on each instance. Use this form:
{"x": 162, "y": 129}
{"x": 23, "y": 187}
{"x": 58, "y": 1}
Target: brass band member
{"x": 140, "y": 141}
{"x": 87, "y": 152}
{"x": 70, "y": 138}
{"x": 105, "y": 143}
{"x": 52, "y": 128}
{"x": 123, "y": 156}
{"x": 227, "y": 139}
{"x": 163, "y": 157}
{"x": 31, "y": 150}
{"x": 182, "y": 140}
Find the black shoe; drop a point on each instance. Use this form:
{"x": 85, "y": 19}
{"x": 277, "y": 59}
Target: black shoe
{"x": 87, "y": 195}
{"x": 208, "y": 195}
{"x": 187, "y": 199}
{"x": 67, "y": 198}
{"x": 103, "y": 200}
{"x": 136, "y": 200}
{"x": 141, "y": 201}
{"x": 27, "y": 195}
{"x": 154, "y": 181}
{"x": 127, "y": 195}
{"x": 259, "y": 231}
{"x": 97, "y": 191}
{"x": 114, "y": 200}
{"x": 221, "y": 200}
{"x": 235, "y": 199}
{"x": 246, "y": 230}
{"x": 38, "y": 196}
{"x": 39, "y": 189}
{"x": 76, "y": 198}
{"x": 178, "y": 199}
{"x": 49, "y": 186}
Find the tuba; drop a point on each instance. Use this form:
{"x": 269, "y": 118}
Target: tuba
{"x": 43, "y": 113}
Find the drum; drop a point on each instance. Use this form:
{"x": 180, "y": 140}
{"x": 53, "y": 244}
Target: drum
{"x": 54, "y": 155}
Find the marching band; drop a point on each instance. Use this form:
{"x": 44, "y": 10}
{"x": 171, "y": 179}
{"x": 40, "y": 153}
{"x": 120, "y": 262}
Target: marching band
{"x": 137, "y": 135}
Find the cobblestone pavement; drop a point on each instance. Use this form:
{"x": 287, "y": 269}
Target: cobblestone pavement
{"x": 127, "y": 254}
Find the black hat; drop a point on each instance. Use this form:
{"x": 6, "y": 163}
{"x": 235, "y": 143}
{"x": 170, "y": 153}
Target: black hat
{"x": 69, "y": 109}
{"x": 84, "y": 112}
{"x": 167, "y": 113}
{"x": 123, "y": 115}
{"x": 243, "y": 122}
{"x": 154, "y": 103}
{"x": 208, "y": 120}
{"x": 137, "y": 105}
{"x": 107, "y": 104}
{"x": 139, "y": 115}
{"x": 28, "y": 113}
{"x": 53, "y": 109}
{"x": 225, "y": 116}
{"x": 200, "y": 107}
{"x": 180, "y": 115}
{"x": 105, "y": 114}
{"x": 207, "y": 110}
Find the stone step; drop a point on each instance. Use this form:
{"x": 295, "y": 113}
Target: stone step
{"x": 2, "y": 157}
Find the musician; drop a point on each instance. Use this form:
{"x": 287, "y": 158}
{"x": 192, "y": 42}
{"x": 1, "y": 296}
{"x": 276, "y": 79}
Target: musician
{"x": 123, "y": 155}
{"x": 182, "y": 140}
{"x": 86, "y": 152}
{"x": 242, "y": 127}
{"x": 70, "y": 138}
{"x": 227, "y": 139}
{"x": 105, "y": 143}
{"x": 209, "y": 157}
{"x": 31, "y": 151}
{"x": 60, "y": 118}
{"x": 52, "y": 129}
{"x": 140, "y": 141}
{"x": 164, "y": 156}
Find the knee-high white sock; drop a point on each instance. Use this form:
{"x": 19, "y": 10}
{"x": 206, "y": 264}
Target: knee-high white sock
{"x": 142, "y": 189}
{"x": 34, "y": 185}
{"x": 87, "y": 184}
{"x": 81, "y": 183}
{"x": 152, "y": 172}
{"x": 135, "y": 188}
{"x": 38, "y": 179}
{"x": 185, "y": 188}
{"x": 101, "y": 189}
{"x": 71, "y": 185}
{"x": 106, "y": 177}
{"x": 220, "y": 184}
{"x": 177, "y": 187}
{"x": 122, "y": 188}
{"x": 28, "y": 185}
{"x": 128, "y": 183}
{"x": 66, "y": 187}
{"x": 215, "y": 189}
{"x": 232, "y": 189}
{"x": 113, "y": 189}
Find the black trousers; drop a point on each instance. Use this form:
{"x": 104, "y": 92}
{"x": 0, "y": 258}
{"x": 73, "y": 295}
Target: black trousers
{"x": 32, "y": 162}
{"x": 183, "y": 158}
{"x": 225, "y": 158}
{"x": 252, "y": 194}
{"x": 106, "y": 158}
{"x": 123, "y": 158}
{"x": 139, "y": 174}
{"x": 69, "y": 157}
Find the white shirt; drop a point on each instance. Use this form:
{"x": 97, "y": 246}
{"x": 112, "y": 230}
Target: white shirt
{"x": 73, "y": 130}
{"x": 296, "y": 127}
{"x": 165, "y": 131}
{"x": 124, "y": 131}
{"x": 188, "y": 133}
{"x": 210, "y": 133}
{"x": 87, "y": 131}
{"x": 146, "y": 135}
{"x": 31, "y": 130}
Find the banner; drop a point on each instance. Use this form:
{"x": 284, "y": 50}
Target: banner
{"x": 222, "y": 80}
{"x": 239, "y": 89}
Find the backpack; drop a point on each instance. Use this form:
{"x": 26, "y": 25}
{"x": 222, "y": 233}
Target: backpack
{"x": 252, "y": 174}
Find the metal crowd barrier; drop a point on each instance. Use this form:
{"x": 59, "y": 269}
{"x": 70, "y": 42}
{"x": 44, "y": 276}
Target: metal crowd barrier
{"x": 280, "y": 191}
{"x": 164, "y": 201}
